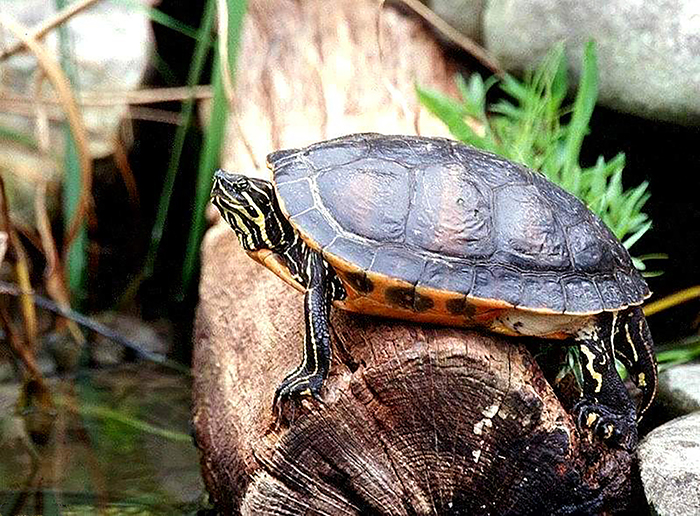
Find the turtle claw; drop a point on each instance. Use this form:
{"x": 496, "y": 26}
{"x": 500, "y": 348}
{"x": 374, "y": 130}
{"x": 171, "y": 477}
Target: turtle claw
{"x": 296, "y": 387}
{"x": 617, "y": 430}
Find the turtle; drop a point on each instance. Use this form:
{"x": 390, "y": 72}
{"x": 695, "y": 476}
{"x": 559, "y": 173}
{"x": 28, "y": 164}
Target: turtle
{"x": 430, "y": 230}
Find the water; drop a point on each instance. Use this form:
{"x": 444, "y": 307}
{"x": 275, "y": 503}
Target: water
{"x": 113, "y": 441}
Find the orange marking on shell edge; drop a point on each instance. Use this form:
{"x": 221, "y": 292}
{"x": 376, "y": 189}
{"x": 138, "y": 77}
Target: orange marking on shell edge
{"x": 273, "y": 261}
{"x": 485, "y": 312}
{"x": 480, "y": 312}
{"x": 340, "y": 265}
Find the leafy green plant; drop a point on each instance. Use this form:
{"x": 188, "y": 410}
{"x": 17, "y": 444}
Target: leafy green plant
{"x": 534, "y": 126}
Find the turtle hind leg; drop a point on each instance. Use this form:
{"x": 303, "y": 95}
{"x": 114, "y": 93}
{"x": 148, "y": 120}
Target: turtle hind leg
{"x": 635, "y": 349}
{"x": 606, "y": 408}
{"x": 307, "y": 378}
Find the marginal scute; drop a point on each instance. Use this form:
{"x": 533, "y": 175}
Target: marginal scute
{"x": 442, "y": 275}
{"x": 460, "y": 306}
{"x": 543, "y": 291}
{"x": 422, "y": 303}
{"x": 609, "y": 292}
{"x": 402, "y": 297}
{"x": 359, "y": 281}
{"x": 627, "y": 287}
{"x": 323, "y": 232}
{"x": 581, "y": 296}
{"x": 398, "y": 262}
{"x": 352, "y": 251}
{"x": 497, "y": 282}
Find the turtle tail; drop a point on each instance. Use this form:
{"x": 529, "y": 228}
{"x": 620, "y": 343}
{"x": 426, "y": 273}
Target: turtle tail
{"x": 634, "y": 347}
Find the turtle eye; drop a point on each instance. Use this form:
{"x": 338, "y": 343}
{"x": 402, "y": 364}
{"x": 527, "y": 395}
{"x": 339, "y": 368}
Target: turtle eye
{"x": 231, "y": 182}
{"x": 230, "y": 187}
{"x": 239, "y": 183}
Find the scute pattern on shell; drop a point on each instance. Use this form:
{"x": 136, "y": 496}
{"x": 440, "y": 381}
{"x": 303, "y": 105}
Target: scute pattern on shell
{"x": 436, "y": 213}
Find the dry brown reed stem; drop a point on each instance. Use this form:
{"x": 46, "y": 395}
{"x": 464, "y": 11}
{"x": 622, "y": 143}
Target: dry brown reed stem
{"x": 61, "y": 84}
{"x": 20, "y": 350}
{"x": 113, "y": 98}
{"x": 21, "y": 272}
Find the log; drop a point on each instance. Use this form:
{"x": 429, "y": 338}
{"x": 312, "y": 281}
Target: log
{"x": 415, "y": 419}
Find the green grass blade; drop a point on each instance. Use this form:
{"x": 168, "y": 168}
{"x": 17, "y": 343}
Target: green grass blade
{"x": 166, "y": 20}
{"x": 76, "y": 258}
{"x": 213, "y": 142}
{"x": 586, "y": 98}
{"x": 76, "y": 264}
{"x": 632, "y": 239}
{"x": 104, "y": 413}
{"x": 208, "y": 159}
{"x": 198, "y": 61}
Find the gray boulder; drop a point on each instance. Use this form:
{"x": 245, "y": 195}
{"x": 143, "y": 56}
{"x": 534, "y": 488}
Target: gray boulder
{"x": 679, "y": 389}
{"x": 669, "y": 459}
{"x": 649, "y": 52}
{"x": 111, "y": 44}
{"x": 463, "y": 15}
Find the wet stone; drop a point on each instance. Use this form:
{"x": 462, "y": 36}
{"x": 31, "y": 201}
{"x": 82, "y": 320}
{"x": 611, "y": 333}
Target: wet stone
{"x": 669, "y": 459}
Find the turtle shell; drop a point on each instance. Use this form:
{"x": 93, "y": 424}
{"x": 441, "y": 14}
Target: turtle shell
{"x": 429, "y": 217}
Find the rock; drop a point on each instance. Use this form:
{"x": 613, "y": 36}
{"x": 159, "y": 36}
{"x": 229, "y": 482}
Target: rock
{"x": 463, "y": 15}
{"x": 648, "y": 52}
{"x": 679, "y": 389}
{"x": 669, "y": 458}
{"x": 111, "y": 46}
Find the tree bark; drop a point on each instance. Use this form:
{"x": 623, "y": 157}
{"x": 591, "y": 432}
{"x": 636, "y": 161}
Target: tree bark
{"x": 416, "y": 419}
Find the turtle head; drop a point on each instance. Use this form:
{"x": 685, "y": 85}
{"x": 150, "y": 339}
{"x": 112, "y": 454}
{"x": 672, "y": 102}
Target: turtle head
{"x": 251, "y": 208}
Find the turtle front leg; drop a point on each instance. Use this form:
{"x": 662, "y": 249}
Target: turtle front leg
{"x": 307, "y": 378}
{"x": 606, "y": 408}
